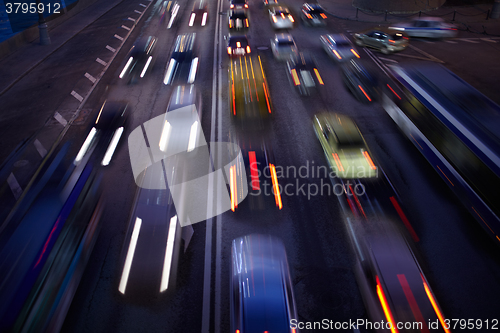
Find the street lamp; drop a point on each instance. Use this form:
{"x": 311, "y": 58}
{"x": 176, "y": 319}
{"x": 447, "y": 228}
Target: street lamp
{"x": 42, "y": 27}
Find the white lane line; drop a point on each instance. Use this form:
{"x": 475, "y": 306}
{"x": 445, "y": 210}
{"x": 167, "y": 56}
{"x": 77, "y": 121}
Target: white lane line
{"x": 430, "y": 57}
{"x": 39, "y": 147}
{"x": 138, "y": 12}
{"x": 125, "y": 27}
{"x": 143, "y": 5}
{"x": 488, "y": 40}
{"x": 77, "y": 96}
{"x": 102, "y": 62}
{"x": 385, "y": 59}
{"x": 110, "y": 48}
{"x": 468, "y": 40}
{"x": 118, "y": 37}
{"x": 450, "y": 41}
{"x": 90, "y": 77}
{"x": 60, "y": 119}
{"x": 14, "y": 186}
{"x": 131, "y": 19}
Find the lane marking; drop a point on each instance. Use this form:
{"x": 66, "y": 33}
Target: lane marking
{"x": 429, "y": 57}
{"x": 125, "y": 27}
{"x": 118, "y": 37}
{"x": 60, "y": 119}
{"x": 102, "y": 62}
{"x": 385, "y": 59}
{"x": 138, "y": 12}
{"x": 40, "y": 148}
{"x": 14, "y": 186}
{"x": 77, "y": 96}
{"x": 110, "y": 48}
{"x": 143, "y": 5}
{"x": 450, "y": 41}
{"x": 488, "y": 40}
{"x": 468, "y": 40}
{"x": 131, "y": 19}
{"x": 90, "y": 77}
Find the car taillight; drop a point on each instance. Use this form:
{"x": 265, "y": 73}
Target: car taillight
{"x": 323, "y": 15}
{"x": 231, "y": 23}
{"x": 295, "y": 77}
{"x": 309, "y": 16}
{"x": 291, "y": 18}
{"x": 318, "y": 76}
{"x": 246, "y": 6}
{"x": 232, "y": 6}
{"x": 355, "y": 53}
{"x": 248, "y": 49}
{"x": 275, "y": 19}
{"x": 391, "y": 41}
{"x": 337, "y": 54}
{"x": 229, "y": 50}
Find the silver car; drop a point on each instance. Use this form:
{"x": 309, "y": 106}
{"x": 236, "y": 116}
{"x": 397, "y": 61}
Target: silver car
{"x": 383, "y": 39}
{"x": 431, "y": 27}
{"x": 338, "y": 47}
{"x": 281, "y": 18}
{"x": 283, "y": 46}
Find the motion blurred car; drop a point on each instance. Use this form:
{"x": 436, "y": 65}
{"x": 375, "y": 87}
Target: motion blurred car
{"x": 338, "y": 47}
{"x": 313, "y": 15}
{"x": 258, "y": 174}
{"x": 431, "y": 27}
{"x": 238, "y": 20}
{"x": 106, "y": 132}
{"x": 261, "y": 293}
{"x": 303, "y": 74}
{"x": 270, "y": 2}
{"x": 361, "y": 80}
{"x": 238, "y": 4}
{"x": 140, "y": 60}
{"x": 281, "y": 18}
{"x": 169, "y": 11}
{"x": 383, "y": 39}
{"x": 199, "y": 14}
{"x": 283, "y": 46}
{"x": 393, "y": 286}
{"x": 183, "y": 63}
{"x": 249, "y": 98}
{"x": 238, "y": 46}
{"x": 344, "y": 146}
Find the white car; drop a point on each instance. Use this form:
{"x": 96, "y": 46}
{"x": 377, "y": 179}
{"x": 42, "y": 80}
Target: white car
{"x": 338, "y": 47}
{"x": 431, "y": 27}
{"x": 283, "y": 46}
{"x": 281, "y": 18}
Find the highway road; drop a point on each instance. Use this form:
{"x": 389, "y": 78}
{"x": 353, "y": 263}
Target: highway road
{"x": 461, "y": 262}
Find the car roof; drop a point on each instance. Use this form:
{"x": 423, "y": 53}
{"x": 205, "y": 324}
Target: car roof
{"x": 182, "y": 96}
{"x": 238, "y": 13}
{"x": 388, "y": 31}
{"x": 337, "y": 38}
{"x": 283, "y": 37}
{"x": 344, "y": 127}
{"x": 110, "y": 112}
{"x": 200, "y": 5}
{"x": 239, "y": 38}
{"x": 312, "y": 6}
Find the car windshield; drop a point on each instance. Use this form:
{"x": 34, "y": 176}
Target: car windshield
{"x": 316, "y": 11}
{"x": 238, "y": 16}
{"x": 233, "y": 42}
{"x": 285, "y": 43}
{"x": 396, "y": 35}
{"x": 342, "y": 43}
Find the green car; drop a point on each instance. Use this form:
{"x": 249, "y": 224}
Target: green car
{"x": 344, "y": 146}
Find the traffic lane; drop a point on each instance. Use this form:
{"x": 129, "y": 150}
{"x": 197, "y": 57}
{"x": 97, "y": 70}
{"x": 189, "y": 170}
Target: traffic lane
{"x": 49, "y": 85}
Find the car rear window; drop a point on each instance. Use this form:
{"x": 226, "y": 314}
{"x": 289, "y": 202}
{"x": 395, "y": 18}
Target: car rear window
{"x": 285, "y": 43}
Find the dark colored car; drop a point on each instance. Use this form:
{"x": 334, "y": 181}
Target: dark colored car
{"x": 183, "y": 63}
{"x": 169, "y": 13}
{"x": 140, "y": 60}
{"x": 238, "y": 46}
{"x": 236, "y": 4}
{"x": 106, "y": 132}
{"x": 383, "y": 39}
{"x": 303, "y": 74}
{"x": 199, "y": 14}
{"x": 261, "y": 293}
{"x": 313, "y": 15}
{"x": 360, "y": 78}
{"x": 238, "y": 19}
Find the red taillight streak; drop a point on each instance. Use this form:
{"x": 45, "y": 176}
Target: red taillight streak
{"x": 483, "y": 220}
{"x": 369, "y": 159}
{"x": 253, "y": 171}
{"x": 413, "y": 302}
{"x": 393, "y": 91}
{"x": 434, "y": 305}
{"x": 267, "y": 97}
{"x": 405, "y": 220}
{"x": 248, "y": 80}
{"x": 445, "y": 175}
{"x": 416, "y": 141}
{"x": 357, "y": 201}
{"x": 351, "y": 206}
{"x": 385, "y": 306}
{"x": 47, "y": 242}
{"x": 318, "y": 76}
{"x": 296, "y": 80}
{"x": 391, "y": 41}
{"x": 323, "y": 15}
{"x": 337, "y": 161}
{"x": 366, "y": 95}
{"x": 355, "y": 53}
{"x": 232, "y": 186}
{"x": 277, "y": 195}
{"x": 248, "y": 49}
{"x": 253, "y": 77}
